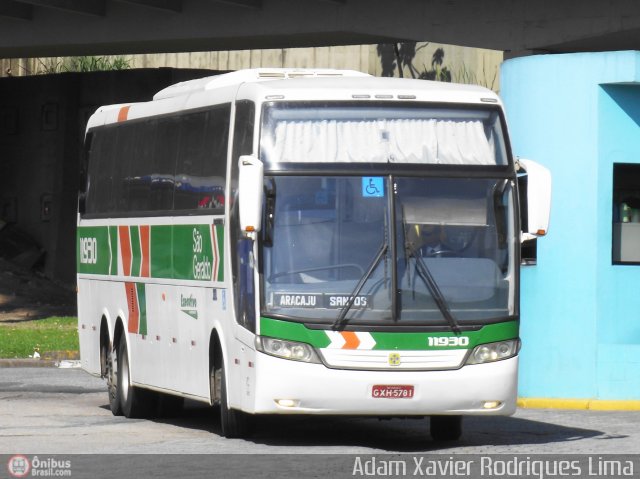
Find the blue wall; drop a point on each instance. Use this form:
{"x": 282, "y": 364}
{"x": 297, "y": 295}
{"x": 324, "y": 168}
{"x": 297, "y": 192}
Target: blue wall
{"x": 578, "y": 114}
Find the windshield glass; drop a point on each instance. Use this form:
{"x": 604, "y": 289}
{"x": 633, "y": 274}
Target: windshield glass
{"x": 327, "y": 235}
{"x": 373, "y": 133}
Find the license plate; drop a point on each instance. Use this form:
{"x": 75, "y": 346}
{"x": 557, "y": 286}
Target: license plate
{"x": 392, "y": 391}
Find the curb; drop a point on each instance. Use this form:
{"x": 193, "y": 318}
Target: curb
{"x": 579, "y": 404}
{"x": 27, "y": 363}
{"x": 49, "y": 359}
{"x": 39, "y": 363}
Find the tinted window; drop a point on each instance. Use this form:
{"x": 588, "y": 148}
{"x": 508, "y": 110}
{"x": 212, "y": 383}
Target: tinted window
{"x": 101, "y": 171}
{"x": 163, "y": 165}
{"x": 160, "y": 164}
{"x": 137, "y": 184}
{"x": 202, "y": 160}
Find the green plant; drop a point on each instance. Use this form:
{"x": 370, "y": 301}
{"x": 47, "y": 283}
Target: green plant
{"x": 464, "y": 75}
{"x": 437, "y": 72}
{"x": 92, "y": 64}
{"x": 402, "y": 55}
{"x": 50, "y": 65}
{"x": 399, "y": 56}
{"x": 22, "y": 339}
{"x": 84, "y": 64}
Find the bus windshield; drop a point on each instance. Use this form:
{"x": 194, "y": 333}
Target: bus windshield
{"x": 328, "y": 234}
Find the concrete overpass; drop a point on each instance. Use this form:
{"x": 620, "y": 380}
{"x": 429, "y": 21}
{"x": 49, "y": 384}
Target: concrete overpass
{"x": 30, "y": 28}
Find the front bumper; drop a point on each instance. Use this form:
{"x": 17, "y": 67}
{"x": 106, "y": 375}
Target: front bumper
{"x": 316, "y": 389}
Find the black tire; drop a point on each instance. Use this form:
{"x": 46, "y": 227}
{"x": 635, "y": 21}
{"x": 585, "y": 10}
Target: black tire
{"x": 111, "y": 374}
{"x": 135, "y": 402}
{"x": 233, "y": 423}
{"x": 446, "y": 428}
{"x": 214, "y": 385}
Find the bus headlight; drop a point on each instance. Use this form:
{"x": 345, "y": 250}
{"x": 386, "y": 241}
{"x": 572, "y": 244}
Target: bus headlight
{"x": 287, "y": 349}
{"x": 487, "y": 353}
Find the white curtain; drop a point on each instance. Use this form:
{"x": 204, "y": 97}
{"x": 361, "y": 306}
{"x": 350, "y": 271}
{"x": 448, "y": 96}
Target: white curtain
{"x": 423, "y": 141}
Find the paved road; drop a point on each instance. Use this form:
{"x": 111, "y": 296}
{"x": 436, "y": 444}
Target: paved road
{"x": 65, "y": 411}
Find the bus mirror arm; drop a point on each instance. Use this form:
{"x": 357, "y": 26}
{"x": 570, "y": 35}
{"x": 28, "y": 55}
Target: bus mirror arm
{"x": 250, "y": 193}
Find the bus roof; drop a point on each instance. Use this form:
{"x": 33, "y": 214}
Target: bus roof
{"x": 292, "y": 85}
{"x": 247, "y": 76}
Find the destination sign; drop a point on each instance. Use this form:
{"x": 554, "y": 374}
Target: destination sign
{"x": 321, "y": 300}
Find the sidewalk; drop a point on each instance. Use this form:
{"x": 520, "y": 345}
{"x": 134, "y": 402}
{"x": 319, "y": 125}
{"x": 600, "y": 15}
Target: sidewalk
{"x": 50, "y": 359}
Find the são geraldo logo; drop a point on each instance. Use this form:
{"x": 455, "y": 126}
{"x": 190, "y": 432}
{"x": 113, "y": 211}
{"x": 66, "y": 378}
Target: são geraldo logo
{"x": 19, "y": 466}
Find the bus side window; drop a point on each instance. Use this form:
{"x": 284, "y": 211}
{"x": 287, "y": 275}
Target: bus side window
{"x": 159, "y": 164}
{"x": 201, "y": 163}
{"x": 189, "y": 182}
{"x": 93, "y": 163}
{"x": 140, "y": 159}
{"x": 101, "y": 171}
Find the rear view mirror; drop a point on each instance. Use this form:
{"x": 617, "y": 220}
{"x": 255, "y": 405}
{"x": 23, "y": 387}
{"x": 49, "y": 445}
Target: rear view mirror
{"x": 250, "y": 193}
{"x": 535, "y": 179}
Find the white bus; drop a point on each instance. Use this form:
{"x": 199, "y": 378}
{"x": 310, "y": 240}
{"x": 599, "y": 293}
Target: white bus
{"x": 305, "y": 242}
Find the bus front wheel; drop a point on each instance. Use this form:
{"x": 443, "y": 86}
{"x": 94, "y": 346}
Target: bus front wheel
{"x": 234, "y": 423}
{"x": 446, "y": 428}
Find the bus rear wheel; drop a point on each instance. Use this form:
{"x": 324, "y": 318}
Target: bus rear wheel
{"x": 446, "y": 428}
{"x": 234, "y": 423}
{"x": 135, "y": 402}
{"x": 111, "y": 373}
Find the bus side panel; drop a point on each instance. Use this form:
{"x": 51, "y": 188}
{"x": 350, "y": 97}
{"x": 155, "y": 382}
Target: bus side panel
{"x": 195, "y": 309}
{"x": 154, "y": 348}
{"x": 97, "y": 299}
{"x": 215, "y": 313}
{"x": 241, "y": 370}
{"x": 89, "y": 316}
{"x": 173, "y": 354}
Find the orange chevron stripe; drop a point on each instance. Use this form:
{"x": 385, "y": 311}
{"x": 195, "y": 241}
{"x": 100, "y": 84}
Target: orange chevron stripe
{"x": 134, "y": 310}
{"x": 351, "y": 340}
{"x": 123, "y": 114}
{"x": 125, "y": 249}
{"x": 144, "y": 248}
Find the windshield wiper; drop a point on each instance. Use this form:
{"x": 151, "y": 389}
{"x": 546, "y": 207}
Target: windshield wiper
{"x": 434, "y": 289}
{"x": 341, "y": 320}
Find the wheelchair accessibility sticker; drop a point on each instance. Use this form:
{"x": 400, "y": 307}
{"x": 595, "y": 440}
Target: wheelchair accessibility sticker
{"x": 372, "y": 186}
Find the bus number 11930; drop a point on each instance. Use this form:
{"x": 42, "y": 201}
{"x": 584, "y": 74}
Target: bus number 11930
{"x": 450, "y": 342}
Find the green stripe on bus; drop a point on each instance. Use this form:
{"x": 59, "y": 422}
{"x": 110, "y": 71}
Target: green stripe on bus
{"x": 192, "y": 252}
{"x": 388, "y": 340}
{"x": 160, "y": 251}
{"x": 136, "y": 253}
{"x": 418, "y": 341}
{"x": 219, "y": 229}
{"x": 92, "y": 250}
{"x": 142, "y": 306}
{"x": 192, "y": 246}
{"x": 113, "y": 244}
